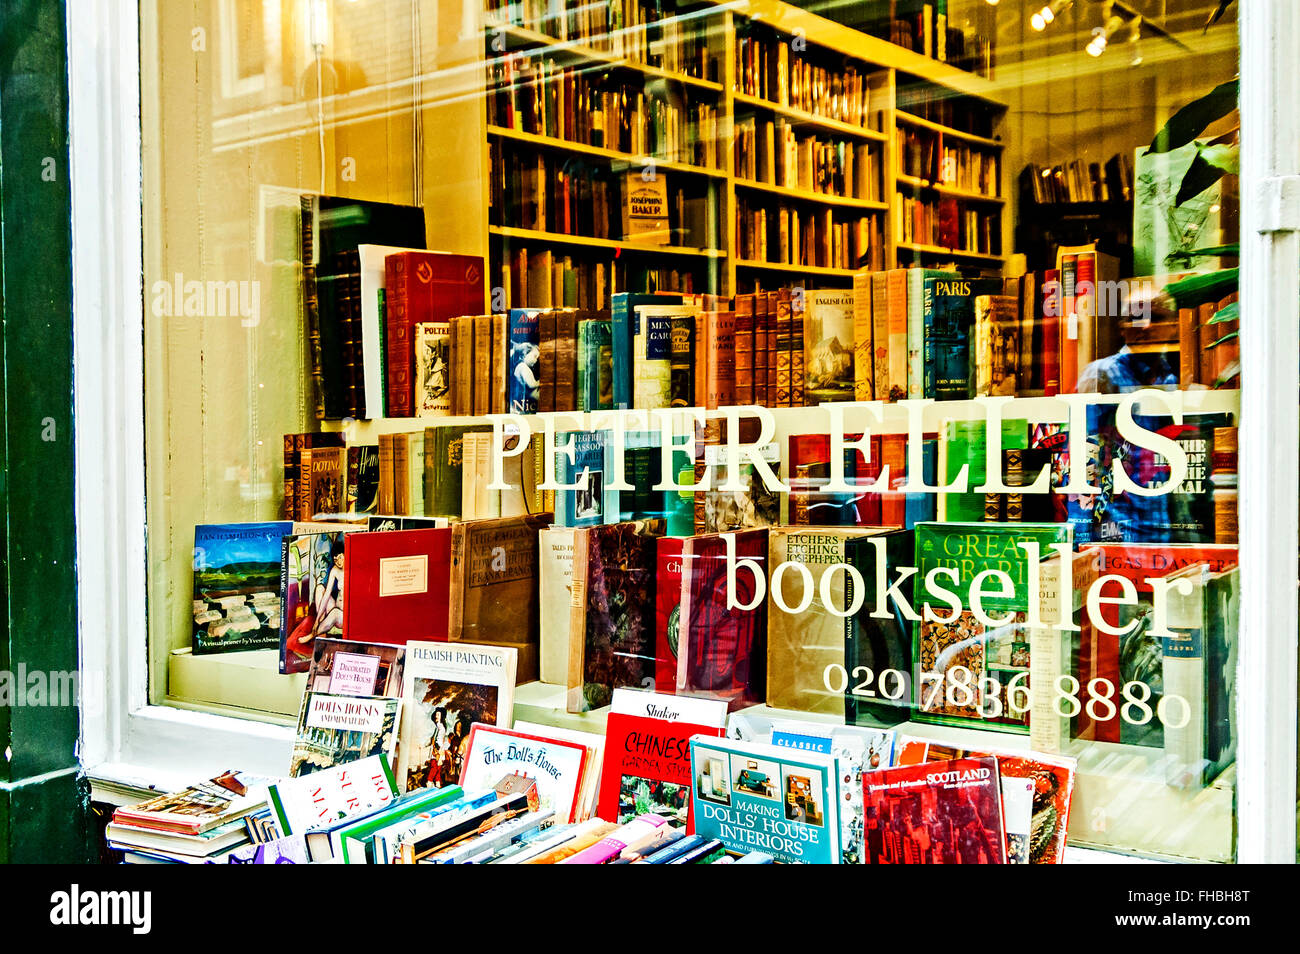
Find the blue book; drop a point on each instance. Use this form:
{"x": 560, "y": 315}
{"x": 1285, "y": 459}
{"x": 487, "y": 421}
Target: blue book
{"x": 916, "y": 278}
{"x": 523, "y": 361}
{"x": 699, "y": 853}
{"x": 919, "y": 508}
{"x": 948, "y": 307}
{"x": 673, "y": 846}
{"x": 623, "y": 331}
{"x": 594, "y": 504}
{"x": 756, "y": 858}
{"x": 755, "y": 796}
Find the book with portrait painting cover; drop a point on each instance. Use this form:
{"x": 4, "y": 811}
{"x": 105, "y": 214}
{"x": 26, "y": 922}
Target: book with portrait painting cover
{"x": 396, "y": 585}
{"x": 934, "y": 813}
{"x": 447, "y": 688}
{"x": 647, "y": 753}
{"x": 612, "y": 616}
{"x": 722, "y": 647}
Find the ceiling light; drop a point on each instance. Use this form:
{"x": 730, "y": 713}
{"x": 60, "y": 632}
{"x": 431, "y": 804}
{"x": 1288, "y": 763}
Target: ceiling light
{"x": 1044, "y": 18}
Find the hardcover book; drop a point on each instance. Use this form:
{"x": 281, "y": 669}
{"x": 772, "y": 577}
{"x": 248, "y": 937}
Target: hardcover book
{"x": 591, "y": 504}
{"x": 755, "y": 796}
{"x": 557, "y": 766}
{"x": 879, "y": 645}
{"x": 199, "y": 808}
{"x": 494, "y": 585}
{"x": 828, "y": 346}
{"x": 555, "y": 584}
{"x": 345, "y": 667}
{"x": 595, "y": 365}
{"x": 621, "y": 331}
{"x": 339, "y": 729}
{"x": 396, "y": 587}
{"x": 647, "y": 753}
{"x": 432, "y": 369}
{"x": 525, "y": 379}
{"x": 449, "y": 687}
{"x": 668, "y": 610}
{"x": 652, "y": 353}
{"x": 964, "y": 668}
{"x": 935, "y": 813}
{"x": 328, "y": 796}
{"x": 804, "y": 635}
{"x": 237, "y": 586}
{"x": 611, "y": 629}
{"x": 949, "y": 317}
{"x": 722, "y": 642}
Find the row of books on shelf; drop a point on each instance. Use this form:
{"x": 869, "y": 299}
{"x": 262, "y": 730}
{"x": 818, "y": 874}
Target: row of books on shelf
{"x": 923, "y": 27}
{"x": 642, "y": 31}
{"x": 929, "y": 155}
{"x": 783, "y": 233}
{"x": 772, "y": 152}
{"x": 543, "y": 193}
{"x": 532, "y": 93}
{"x": 670, "y": 780}
{"x": 1080, "y": 181}
{"x": 947, "y": 223}
{"x": 770, "y": 67}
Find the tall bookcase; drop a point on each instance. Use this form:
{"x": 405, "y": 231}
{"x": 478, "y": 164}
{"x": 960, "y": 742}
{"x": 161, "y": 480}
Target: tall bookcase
{"x": 905, "y": 98}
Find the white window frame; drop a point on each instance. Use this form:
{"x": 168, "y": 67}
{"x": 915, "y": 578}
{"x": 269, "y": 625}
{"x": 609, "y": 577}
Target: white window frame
{"x": 132, "y": 742}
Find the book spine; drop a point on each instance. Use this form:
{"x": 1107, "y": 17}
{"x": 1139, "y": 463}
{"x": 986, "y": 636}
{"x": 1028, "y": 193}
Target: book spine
{"x": 311, "y": 307}
{"x": 353, "y": 474}
{"x": 287, "y": 504}
{"x": 566, "y": 361}
{"x": 682, "y": 361}
{"x": 304, "y": 482}
{"x": 401, "y": 475}
{"x": 784, "y": 349}
{"x": 1069, "y": 328}
{"x": 285, "y": 624}
{"x": 578, "y": 622}
{"x": 482, "y": 364}
{"x": 744, "y": 349}
{"x": 1051, "y": 356}
{"x": 546, "y": 331}
{"x": 798, "y": 322}
{"x": 386, "y": 474}
{"x": 621, "y": 338}
{"x": 397, "y": 359}
{"x": 722, "y": 359}
{"x": 897, "y": 324}
{"x": 501, "y": 364}
{"x": 863, "y": 357}
{"x": 456, "y": 592}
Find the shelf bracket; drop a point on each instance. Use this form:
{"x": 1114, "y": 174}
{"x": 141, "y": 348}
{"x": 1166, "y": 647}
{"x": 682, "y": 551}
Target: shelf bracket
{"x": 1279, "y": 204}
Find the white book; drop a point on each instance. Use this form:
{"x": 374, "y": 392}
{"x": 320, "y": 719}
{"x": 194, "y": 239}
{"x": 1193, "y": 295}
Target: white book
{"x": 555, "y": 581}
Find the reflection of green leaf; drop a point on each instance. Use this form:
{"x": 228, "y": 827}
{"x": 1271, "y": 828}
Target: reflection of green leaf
{"x": 1225, "y": 156}
{"x": 1230, "y": 372}
{"x": 1215, "y": 250}
{"x": 1228, "y": 337}
{"x": 1227, "y": 313}
{"x": 1190, "y": 121}
{"x": 1200, "y": 175}
{"x": 1199, "y": 289}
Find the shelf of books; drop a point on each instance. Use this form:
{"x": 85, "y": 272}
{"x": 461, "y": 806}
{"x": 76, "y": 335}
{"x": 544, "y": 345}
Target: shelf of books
{"x": 735, "y": 475}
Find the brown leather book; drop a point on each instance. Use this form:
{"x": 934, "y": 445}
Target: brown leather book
{"x": 744, "y": 312}
{"x": 546, "y": 325}
{"x": 566, "y": 360}
{"x": 482, "y": 402}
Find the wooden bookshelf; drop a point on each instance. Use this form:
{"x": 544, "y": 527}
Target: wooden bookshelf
{"x": 882, "y": 67}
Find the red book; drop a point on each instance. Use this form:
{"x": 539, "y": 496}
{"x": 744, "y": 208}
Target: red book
{"x": 722, "y": 647}
{"x": 668, "y": 601}
{"x": 934, "y": 813}
{"x": 423, "y": 286}
{"x": 893, "y": 502}
{"x": 1099, "y": 653}
{"x": 397, "y": 585}
{"x": 648, "y": 752}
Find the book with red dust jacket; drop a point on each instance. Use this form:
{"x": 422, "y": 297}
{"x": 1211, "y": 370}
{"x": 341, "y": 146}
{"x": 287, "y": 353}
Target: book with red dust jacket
{"x": 648, "y": 754}
{"x": 934, "y": 813}
{"x": 396, "y": 587}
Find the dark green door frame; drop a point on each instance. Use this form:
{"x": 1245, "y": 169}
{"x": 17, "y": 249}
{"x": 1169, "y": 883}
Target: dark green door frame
{"x": 43, "y": 797}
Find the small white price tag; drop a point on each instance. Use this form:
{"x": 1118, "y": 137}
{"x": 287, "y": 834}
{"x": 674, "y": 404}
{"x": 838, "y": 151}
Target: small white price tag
{"x": 1072, "y": 327}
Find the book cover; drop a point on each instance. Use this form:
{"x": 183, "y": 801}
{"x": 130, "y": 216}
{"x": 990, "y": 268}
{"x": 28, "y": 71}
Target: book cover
{"x": 200, "y": 807}
{"x": 652, "y": 352}
{"x": 557, "y": 766}
{"x": 397, "y": 585}
{"x": 612, "y": 626}
{"x": 524, "y": 384}
{"x": 916, "y": 278}
{"x": 668, "y": 610}
{"x": 555, "y": 584}
{"x": 964, "y": 445}
{"x": 326, "y": 475}
{"x": 857, "y": 751}
{"x": 949, "y": 317}
{"x": 755, "y": 796}
{"x": 323, "y": 798}
{"x": 595, "y": 365}
{"x": 363, "y": 481}
{"x": 805, "y": 636}
{"x": 339, "y": 729}
{"x": 590, "y": 504}
{"x": 622, "y": 305}
{"x": 432, "y": 369}
{"x": 494, "y": 581}
{"x": 722, "y": 643}
{"x": 345, "y": 667}
{"x": 647, "y": 766}
{"x": 878, "y": 648}
{"x": 995, "y": 350}
{"x": 828, "y": 346}
{"x": 935, "y": 813}
{"x": 447, "y": 688}
{"x": 1051, "y": 778}
{"x": 757, "y": 505}
{"x": 964, "y": 668}
{"x": 311, "y": 595}
{"x": 237, "y": 586}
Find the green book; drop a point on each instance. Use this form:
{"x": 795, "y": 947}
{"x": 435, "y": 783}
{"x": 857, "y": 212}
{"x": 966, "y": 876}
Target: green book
{"x": 443, "y": 461}
{"x": 595, "y": 365}
{"x": 967, "y": 672}
{"x": 963, "y": 442}
{"x": 352, "y": 845}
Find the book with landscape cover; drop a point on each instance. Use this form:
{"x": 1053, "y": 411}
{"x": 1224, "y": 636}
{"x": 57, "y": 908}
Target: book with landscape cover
{"x": 647, "y": 753}
{"x": 237, "y": 586}
{"x": 828, "y": 346}
{"x": 612, "y": 622}
{"x": 447, "y": 688}
{"x": 754, "y": 796}
{"x": 722, "y": 646}
{"x": 396, "y": 587}
{"x": 935, "y": 813}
